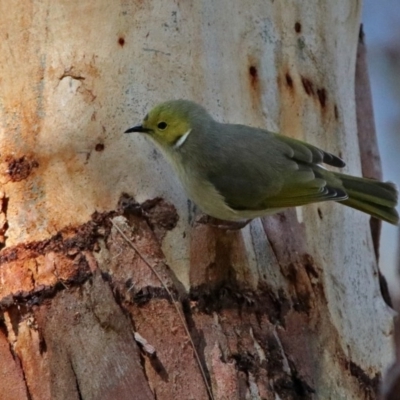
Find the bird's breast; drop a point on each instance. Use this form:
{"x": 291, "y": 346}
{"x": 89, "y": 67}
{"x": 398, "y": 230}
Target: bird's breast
{"x": 202, "y": 192}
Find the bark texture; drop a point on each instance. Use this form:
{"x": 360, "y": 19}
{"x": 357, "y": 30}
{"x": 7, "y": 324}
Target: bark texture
{"x": 289, "y": 307}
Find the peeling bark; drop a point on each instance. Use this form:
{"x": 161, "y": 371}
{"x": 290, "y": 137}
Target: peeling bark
{"x": 369, "y": 152}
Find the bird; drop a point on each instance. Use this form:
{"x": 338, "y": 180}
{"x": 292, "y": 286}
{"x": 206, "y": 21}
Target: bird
{"x": 237, "y": 172}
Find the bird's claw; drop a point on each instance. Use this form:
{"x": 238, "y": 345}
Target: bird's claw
{"x": 221, "y": 224}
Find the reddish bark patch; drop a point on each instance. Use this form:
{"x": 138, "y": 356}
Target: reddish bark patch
{"x": 35, "y": 271}
{"x": 12, "y": 377}
{"x": 121, "y": 41}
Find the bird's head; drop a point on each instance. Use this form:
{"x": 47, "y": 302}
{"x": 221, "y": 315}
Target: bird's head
{"x": 170, "y": 123}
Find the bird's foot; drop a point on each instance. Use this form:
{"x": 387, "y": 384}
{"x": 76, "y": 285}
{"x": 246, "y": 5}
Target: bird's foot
{"x": 222, "y": 224}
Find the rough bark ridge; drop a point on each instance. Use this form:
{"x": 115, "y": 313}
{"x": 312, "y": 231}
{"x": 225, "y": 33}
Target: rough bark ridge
{"x": 87, "y": 292}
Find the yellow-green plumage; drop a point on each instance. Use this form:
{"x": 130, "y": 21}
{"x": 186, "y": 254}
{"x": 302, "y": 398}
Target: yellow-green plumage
{"x": 236, "y": 172}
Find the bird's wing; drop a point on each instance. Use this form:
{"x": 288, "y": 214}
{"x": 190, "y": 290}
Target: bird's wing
{"x": 318, "y": 184}
{"x": 266, "y": 170}
{"x": 308, "y": 153}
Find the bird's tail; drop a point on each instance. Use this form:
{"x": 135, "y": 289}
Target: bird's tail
{"x": 375, "y": 198}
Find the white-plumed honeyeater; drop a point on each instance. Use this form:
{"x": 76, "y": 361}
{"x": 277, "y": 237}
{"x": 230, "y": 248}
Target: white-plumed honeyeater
{"x": 236, "y": 172}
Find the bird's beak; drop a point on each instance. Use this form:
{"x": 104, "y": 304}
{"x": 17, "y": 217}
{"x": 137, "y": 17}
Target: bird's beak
{"x": 138, "y": 128}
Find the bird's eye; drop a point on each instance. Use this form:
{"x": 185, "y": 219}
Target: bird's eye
{"x": 162, "y": 125}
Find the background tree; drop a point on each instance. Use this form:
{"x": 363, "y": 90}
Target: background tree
{"x": 290, "y": 306}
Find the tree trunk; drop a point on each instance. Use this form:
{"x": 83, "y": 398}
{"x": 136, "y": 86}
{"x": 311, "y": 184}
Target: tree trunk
{"x": 289, "y": 307}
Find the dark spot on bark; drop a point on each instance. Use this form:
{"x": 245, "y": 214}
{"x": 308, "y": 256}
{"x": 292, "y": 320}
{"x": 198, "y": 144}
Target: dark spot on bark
{"x": 310, "y": 266}
{"x": 369, "y": 385}
{"x": 254, "y": 82}
{"x": 128, "y": 205}
{"x": 128, "y": 283}
{"x": 288, "y": 383}
{"x": 384, "y": 287}
{"x": 300, "y": 386}
{"x": 278, "y": 305}
{"x": 292, "y": 386}
{"x": 302, "y": 301}
{"x": 3, "y": 327}
{"x": 159, "y": 368}
{"x": 281, "y": 216}
{"x": 376, "y": 227}
{"x": 99, "y": 147}
{"x": 42, "y": 345}
{"x": 297, "y": 27}
{"x": 121, "y": 41}
{"x": 291, "y": 273}
{"x": 245, "y": 362}
{"x": 253, "y": 72}
{"x": 289, "y": 80}
{"x": 106, "y": 276}
{"x": 4, "y": 225}
{"x": 20, "y": 168}
{"x": 336, "y": 111}
{"x": 321, "y": 93}
{"x": 274, "y": 353}
{"x": 77, "y": 386}
{"x": 307, "y": 85}
{"x": 320, "y": 213}
{"x": 361, "y": 34}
